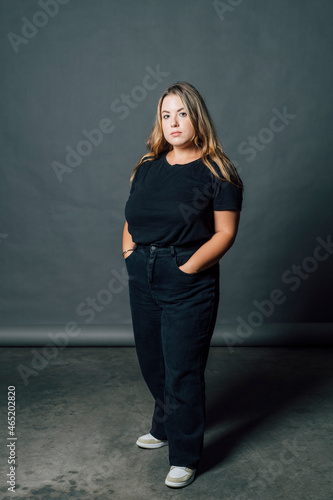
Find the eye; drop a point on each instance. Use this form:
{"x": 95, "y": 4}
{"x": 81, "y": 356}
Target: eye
{"x": 183, "y": 113}
{"x": 165, "y": 115}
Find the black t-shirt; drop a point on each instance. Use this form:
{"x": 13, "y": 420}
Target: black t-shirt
{"x": 174, "y": 204}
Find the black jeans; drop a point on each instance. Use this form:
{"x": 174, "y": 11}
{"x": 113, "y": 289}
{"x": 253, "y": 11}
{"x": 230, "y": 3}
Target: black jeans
{"x": 174, "y": 315}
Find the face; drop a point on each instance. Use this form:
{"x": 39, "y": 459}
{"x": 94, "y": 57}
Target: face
{"x": 175, "y": 119}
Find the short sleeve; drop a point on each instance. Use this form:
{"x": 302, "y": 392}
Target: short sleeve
{"x": 226, "y": 196}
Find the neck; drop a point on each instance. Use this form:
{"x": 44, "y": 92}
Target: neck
{"x": 184, "y": 154}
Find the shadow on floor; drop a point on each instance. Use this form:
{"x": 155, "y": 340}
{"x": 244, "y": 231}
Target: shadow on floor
{"x": 261, "y": 388}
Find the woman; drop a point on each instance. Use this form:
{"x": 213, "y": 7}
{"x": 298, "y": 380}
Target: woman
{"x": 182, "y": 216}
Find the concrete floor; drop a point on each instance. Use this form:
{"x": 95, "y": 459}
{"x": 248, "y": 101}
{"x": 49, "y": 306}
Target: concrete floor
{"x": 268, "y": 436}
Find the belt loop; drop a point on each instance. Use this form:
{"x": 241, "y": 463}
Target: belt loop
{"x": 172, "y": 250}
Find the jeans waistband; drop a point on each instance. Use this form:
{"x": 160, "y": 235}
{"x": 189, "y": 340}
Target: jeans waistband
{"x": 167, "y": 248}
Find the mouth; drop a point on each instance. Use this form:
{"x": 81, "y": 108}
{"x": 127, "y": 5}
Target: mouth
{"x": 176, "y": 133}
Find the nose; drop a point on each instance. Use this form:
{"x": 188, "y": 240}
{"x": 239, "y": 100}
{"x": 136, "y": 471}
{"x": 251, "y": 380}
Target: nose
{"x": 174, "y": 121}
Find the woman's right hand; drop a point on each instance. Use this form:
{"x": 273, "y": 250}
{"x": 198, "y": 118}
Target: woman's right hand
{"x": 127, "y": 243}
{"x": 127, "y": 254}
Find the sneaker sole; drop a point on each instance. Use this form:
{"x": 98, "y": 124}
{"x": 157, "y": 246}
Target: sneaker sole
{"x": 151, "y": 446}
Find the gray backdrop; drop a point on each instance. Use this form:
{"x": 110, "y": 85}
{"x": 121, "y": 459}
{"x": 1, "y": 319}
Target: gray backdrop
{"x": 80, "y": 85}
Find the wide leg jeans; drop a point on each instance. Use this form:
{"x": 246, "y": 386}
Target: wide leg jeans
{"x": 174, "y": 315}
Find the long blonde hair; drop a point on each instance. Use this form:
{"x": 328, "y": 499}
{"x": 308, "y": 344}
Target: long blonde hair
{"x": 205, "y": 135}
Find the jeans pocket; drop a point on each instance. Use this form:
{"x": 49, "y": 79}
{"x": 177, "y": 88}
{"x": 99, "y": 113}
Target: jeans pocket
{"x": 181, "y": 258}
{"x": 131, "y": 253}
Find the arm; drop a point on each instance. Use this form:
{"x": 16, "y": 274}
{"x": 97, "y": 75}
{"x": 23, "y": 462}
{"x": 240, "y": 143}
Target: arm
{"x": 127, "y": 240}
{"x": 226, "y": 226}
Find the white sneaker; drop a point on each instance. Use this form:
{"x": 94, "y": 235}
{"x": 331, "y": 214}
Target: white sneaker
{"x": 179, "y": 476}
{"x": 148, "y": 441}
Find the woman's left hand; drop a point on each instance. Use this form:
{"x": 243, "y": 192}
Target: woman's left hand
{"x": 186, "y": 270}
